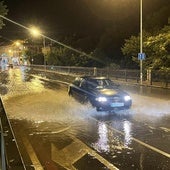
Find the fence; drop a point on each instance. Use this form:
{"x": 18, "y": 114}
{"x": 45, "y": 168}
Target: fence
{"x": 150, "y": 77}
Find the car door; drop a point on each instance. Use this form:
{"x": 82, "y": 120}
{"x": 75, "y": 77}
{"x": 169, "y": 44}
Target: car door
{"x": 83, "y": 91}
{"x": 75, "y": 88}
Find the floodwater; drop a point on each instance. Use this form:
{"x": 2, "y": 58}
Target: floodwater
{"x": 56, "y": 124}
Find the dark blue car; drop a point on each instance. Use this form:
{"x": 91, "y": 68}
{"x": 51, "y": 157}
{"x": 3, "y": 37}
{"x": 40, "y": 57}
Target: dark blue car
{"x": 101, "y": 92}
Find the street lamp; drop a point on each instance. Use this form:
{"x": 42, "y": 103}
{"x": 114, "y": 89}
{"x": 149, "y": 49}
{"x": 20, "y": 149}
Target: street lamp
{"x": 36, "y": 32}
{"x": 44, "y": 49}
{"x": 141, "y": 45}
{"x": 17, "y": 43}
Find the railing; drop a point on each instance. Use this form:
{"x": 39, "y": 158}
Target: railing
{"x": 3, "y": 153}
{"x": 150, "y": 77}
{"x": 9, "y": 147}
{"x": 108, "y": 72}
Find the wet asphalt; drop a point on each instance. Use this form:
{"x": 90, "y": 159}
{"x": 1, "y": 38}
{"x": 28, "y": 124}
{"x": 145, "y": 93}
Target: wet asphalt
{"x": 53, "y": 131}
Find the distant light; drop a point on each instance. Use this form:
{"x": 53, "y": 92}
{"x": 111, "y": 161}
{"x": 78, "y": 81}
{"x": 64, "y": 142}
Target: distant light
{"x": 17, "y": 43}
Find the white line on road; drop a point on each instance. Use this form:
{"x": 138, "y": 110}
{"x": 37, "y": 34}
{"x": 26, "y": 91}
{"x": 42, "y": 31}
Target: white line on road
{"x": 96, "y": 155}
{"x": 138, "y": 141}
{"x": 165, "y": 129}
{"x": 36, "y": 163}
{"x": 53, "y": 132}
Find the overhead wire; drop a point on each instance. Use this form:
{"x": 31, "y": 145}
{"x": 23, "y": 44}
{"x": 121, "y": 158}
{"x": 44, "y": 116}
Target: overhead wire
{"x": 53, "y": 40}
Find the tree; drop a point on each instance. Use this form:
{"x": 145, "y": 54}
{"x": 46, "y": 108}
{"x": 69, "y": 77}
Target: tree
{"x": 65, "y": 57}
{"x": 130, "y": 50}
{"x": 156, "y": 47}
{"x": 3, "y": 12}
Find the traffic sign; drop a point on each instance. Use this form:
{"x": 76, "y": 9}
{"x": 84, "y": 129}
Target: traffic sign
{"x": 141, "y": 56}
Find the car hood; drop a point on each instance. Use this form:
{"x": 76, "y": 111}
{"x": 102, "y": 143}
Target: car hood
{"x": 110, "y": 92}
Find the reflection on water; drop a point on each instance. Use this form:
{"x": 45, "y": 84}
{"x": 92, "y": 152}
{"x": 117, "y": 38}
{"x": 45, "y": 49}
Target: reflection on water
{"x": 24, "y": 73}
{"x": 19, "y": 83}
{"x": 113, "y": 141}
{"x": 127, "y": 133}
{"x": 3, "y": 81}
{"x": 102, "y": 142}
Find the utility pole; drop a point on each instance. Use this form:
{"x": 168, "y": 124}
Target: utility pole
{"x": 44, "y": 46}
{"x": 141, "y": 44}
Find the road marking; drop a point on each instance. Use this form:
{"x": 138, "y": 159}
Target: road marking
{"x": 70, "y": 154}
{"x": 138, "y": 141}
{"x": 53, "y": 132}
{"x": 165, "y": 129}
{"x": 35, "y": 161}
{"x": 152, "y": 148}
{"x": 96, "y": 155}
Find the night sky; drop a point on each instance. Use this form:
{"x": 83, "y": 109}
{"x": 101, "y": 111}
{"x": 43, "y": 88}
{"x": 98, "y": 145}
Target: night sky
{"x": 83, "y": 18}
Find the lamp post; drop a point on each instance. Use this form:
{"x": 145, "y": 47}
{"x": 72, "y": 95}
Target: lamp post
{"x": 35, "y": 32}
{"x": 44, "y": 46}
{"x": 141, "y": 44}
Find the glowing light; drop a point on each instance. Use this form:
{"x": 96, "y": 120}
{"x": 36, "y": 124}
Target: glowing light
{"x": 101, "y": 99}
{"x": 17, "y": 43}
{"x": 35, "y": 31}
{"x": 10, "y": 51}
{"x": 127, "y": 98}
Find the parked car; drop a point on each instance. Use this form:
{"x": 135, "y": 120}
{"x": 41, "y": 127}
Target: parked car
{"x": 101, "y": 92}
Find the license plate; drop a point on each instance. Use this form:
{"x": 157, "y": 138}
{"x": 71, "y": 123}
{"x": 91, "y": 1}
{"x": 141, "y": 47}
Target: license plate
{"x": 117, "y": 104}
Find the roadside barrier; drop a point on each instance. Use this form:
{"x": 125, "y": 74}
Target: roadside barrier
{"x": 9, "y": 147}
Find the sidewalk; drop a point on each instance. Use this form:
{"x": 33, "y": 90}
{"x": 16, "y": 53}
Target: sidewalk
{"x": 144, "y": 83}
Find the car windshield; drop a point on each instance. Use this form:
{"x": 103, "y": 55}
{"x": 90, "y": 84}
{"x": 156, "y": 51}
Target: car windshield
{"x": 101, "y": 83}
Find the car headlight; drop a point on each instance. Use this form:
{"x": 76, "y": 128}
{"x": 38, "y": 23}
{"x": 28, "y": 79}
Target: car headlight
{"x": 101, "y": 99}
{"x": 127, "y": 98}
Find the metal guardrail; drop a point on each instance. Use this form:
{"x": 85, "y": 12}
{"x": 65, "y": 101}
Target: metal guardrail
{"x": 9, "y": 147}
{"x": 3, "y": 152}
{"x": 150, "y": 77}
{"x": 108, "y": 72}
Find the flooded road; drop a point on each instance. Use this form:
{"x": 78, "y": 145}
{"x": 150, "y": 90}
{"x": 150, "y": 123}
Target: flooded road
{"x": 53, "y": 131}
